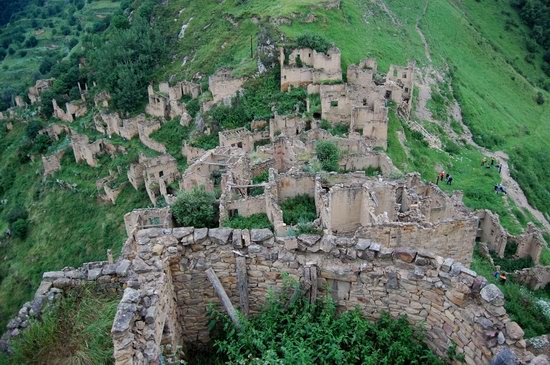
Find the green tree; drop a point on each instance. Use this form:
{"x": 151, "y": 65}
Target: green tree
{"x": 195, "y": 208}
{"x": 124, "y": 60}
{"x": 328, "y": 155}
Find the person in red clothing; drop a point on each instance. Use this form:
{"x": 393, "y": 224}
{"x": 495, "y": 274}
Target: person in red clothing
{"x": 440, "y": 177}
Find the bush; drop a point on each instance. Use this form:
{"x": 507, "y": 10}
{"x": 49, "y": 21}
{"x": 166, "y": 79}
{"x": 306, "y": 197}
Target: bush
{"x": 195, "y": 208}
{"x": 16, "y": 213}
{"x": 328, "y": 155}
{"x": 290, "y": 331}
{"x": 313, "y": 41}
{"x": 299, "y": 209}
{"x": 255, "y": 221}
{"x": 19, "y": 228}
{"x": 540, "y": 98}
{"x": 206, "y": 141}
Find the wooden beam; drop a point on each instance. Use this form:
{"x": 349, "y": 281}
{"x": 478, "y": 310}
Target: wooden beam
{"x": 213, "y": 278}
{"x": 242, "y": 283}
{"x": 313, "y": 280}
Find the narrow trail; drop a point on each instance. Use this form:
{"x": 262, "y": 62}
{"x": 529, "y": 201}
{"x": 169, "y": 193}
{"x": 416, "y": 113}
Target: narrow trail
{"x": 428, "y": 77}
{"x": 422, "y": 37}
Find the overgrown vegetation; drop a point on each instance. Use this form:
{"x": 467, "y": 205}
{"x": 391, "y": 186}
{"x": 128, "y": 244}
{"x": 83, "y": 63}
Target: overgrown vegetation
{"x": 172, "y": 134}
{"x": 75, "y": 329}
{"x": 299, "y": 209}
{"x": 124, "y": 60}
{"x": 258, "y": 220}
{"x": 522, "y": 305}
{"x": 262, "y": 96}
{"x": 292, "y": 331}
{"x": 328, "y": 155}
{"x": 196, "y": 208}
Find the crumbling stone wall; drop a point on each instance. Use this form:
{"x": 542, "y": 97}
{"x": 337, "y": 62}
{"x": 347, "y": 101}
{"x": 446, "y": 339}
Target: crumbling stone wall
{"x": 39, "y": 87}
{"x": 145, "y": 129}
{"x": 102, "y": 99}
{"x": 315, "y": 67}
{"x": 55, "y": 130}
{"x": 237, "y": 138}
{"x": 171, "y": 292}
{"x": 167, "y": 101}
{"x": 535, "y": 278}
{"x": 158, "y": 173}
{"x": 52, "y": 163}
{"x": 289, "y": 126}
{"x": 112, "y": 124}
{"x": 75, "y": 109}
{"x": 83, "y": 150}
{"x": 105, "y": 275}
{"x": 491, "y": 232}
{"x": 223, "y": 86}
{"x": 139, "y": 219}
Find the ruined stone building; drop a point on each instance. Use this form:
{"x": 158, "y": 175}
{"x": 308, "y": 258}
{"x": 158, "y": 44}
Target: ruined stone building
{"x": 208, "y": 170}
{"x": 55, "y": 130}
{"x": 108, "y": 189}
{"x": 20, "y": 102}
{"x": 156, "y": 173}
{"x": 112, "y": 124}
{"x": 102, "y": 99}
{"x": 75, "y": 109}
{"x": 289, "y": 126}
{"x": 145, "y": 129}
{"x": 223, "y": 86}
{"x": 39, "y": 87}
{"x": 167, "y": 101}
{"x": 52, "y": 163}
{"x": 491, "y": 232}
{"x": 241, "y": 138}
{"x": 85, "y": 151}
{"x": 305, "y": 66}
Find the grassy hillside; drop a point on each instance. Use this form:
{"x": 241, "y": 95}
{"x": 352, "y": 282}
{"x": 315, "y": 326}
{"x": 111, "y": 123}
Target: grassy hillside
{"x": 38, "y": 36}
{"x": 66, "y": 226}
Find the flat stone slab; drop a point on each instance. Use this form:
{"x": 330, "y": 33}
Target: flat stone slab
{"x": 260, "y": 235}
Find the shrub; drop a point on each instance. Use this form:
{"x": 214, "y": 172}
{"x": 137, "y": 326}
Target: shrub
{"x": 19, "y": 228}
{"x": 540, "y": 98}
{"x": 206, "y": 141}
{"x": 195, "y": 208}
{"x": 290, "y": 331}
{"x": 16, "y": 213}
{"x": 301, "y": 208}
{"x": 328, "y": 155}
{"x": 313, "y": 41}
{"x": 193, "y": 107}
{"x": 259, "y": 220}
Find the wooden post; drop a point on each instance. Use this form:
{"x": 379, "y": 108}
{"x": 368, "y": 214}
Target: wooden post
{"x": 213, "y": 278}
{"x": 242, "y": 283}
{"x": 313, "y": 279}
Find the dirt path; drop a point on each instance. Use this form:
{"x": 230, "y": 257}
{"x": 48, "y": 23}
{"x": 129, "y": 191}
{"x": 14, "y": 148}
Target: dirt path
{"x": 422, "y": 37}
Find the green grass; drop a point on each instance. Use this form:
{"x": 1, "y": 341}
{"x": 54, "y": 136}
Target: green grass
{"x": 172, "y": 134}
{"x": 74, "y": 330}
{"x": 67, "y": 228}
{"x": 520, "y": 303}
{"x": 258, "y": 220}
{"x": 299, "y": 209}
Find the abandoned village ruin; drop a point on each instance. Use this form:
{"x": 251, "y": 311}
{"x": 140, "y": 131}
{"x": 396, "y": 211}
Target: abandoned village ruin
{"x": 389, "y": 242}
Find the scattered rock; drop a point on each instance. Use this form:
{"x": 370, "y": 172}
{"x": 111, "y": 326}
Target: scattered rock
{"x": 514, "y": 331}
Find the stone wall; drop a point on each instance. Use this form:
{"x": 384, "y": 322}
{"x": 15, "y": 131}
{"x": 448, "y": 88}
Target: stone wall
{"x": 104, "y": 275}
{"x": 535, "y": 278}
{"x": 491, "y": 232}
{"x": 223, "y": 86}
{"x": 75, "y": 109}
{"x": 237, "y": 138}
{"x": 145, "y": 129}
{"x": 167, "y": 301}
{"x": 315, "y": 67}
{"x": 52, "y": 163}
{"x": 39, "y": 87}
{"x": 85, "y": 151}
{"x": 148, "y": 218}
